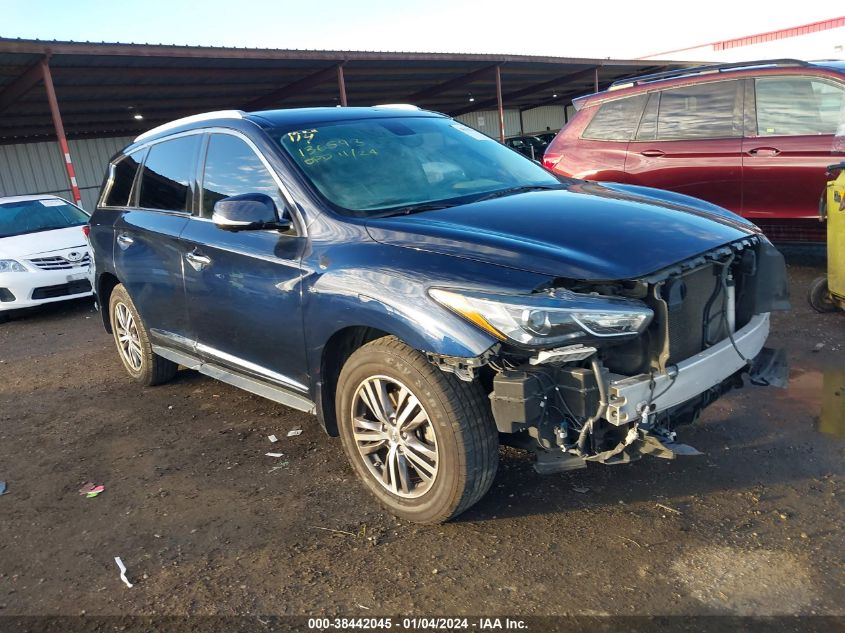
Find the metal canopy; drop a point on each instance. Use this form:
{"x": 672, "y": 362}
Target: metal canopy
{"x": 100, "y": 88}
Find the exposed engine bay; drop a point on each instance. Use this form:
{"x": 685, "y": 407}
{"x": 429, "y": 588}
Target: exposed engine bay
{"x": 612, "y": 399}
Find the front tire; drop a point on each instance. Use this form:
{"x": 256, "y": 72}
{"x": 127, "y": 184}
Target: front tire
{"x": 133, "y": 342}
{"x": 423, "y": 441}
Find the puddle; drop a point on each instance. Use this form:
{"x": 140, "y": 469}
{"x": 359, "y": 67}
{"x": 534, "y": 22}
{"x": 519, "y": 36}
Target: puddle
{"x": 822, "y": 392}
{"x": 832, "y": 416}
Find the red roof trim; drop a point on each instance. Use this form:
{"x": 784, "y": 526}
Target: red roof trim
{"x": 781, "y": 34}
{"x": 814, "y": 27}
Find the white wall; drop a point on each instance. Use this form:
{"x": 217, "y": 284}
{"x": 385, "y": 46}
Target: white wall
{"x": 538, "y": 119}
{"x": 487, "y": 121}
{"x": 534, "y": 120}
{"x": 39, "y": 167}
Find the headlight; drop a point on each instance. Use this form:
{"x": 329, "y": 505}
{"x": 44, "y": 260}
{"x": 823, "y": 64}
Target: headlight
{"x": 548, "y": 319}
{"x": 11, "y": 266}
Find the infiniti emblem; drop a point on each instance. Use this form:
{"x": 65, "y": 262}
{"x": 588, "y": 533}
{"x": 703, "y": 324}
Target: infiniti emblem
{"x": 74, "y": 256}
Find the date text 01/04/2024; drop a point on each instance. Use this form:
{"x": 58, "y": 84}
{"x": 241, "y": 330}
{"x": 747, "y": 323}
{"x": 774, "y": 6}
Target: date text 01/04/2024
{"x": 417, "y": 624}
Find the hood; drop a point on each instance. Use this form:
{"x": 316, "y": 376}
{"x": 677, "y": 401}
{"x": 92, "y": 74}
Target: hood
{"x": 586, "y": 231}
{"x": 34, "y": 244}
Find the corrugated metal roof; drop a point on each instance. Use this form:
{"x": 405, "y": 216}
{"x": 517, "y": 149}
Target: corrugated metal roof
{"x": 101, "y": 86}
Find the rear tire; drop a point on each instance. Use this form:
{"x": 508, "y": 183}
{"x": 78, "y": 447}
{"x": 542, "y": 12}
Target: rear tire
{"x": 435, "y": 453}
{"x": 819, "y": 296}
{"x": 133, "y": 342}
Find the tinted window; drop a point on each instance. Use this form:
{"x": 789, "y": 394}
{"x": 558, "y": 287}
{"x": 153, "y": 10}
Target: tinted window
{"x": 167, "y": 174}
{"x": 232, "y": 168}
{"x": 32, "y": 216}
{"x": 648, "y": 124}
{"x": 793, "y": 106}
{"x": 123, "y": 175}
{"x": 379, "y": 165}
{"x": 616, "y": 120}
{"x": 706, "y": 110}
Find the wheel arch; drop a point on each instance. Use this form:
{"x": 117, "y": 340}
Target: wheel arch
{"x": 106, "y": 283}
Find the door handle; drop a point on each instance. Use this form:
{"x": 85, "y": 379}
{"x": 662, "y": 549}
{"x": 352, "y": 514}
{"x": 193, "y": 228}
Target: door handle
{"x": 198, "y": 262}
{"x": 653, "y": 153}
{"x": 124, "y": 241}
{"x": 764, "y": 151}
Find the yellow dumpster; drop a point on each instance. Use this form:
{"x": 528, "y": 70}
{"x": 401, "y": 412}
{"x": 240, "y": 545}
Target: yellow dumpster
{"x": 827, "y": 293}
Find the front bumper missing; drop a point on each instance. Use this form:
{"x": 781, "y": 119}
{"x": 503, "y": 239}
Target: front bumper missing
{"x": 629, "y": 395}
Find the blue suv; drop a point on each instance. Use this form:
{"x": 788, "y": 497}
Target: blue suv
{"x": 428, "y": 293}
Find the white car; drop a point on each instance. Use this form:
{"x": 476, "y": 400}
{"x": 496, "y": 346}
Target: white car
{"x": 44, "y": 255}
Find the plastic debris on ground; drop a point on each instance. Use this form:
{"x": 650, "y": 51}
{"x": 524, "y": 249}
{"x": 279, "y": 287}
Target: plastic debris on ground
{"x": 91, "y": 490}
{"x": 273, "y": 438}
{"x": 2, "y": 487}
{"x": 582, "y": 490}
{"x": 274, "y": 454}
{"x": 122, "y": 569}
{"x": 294, "y": 432}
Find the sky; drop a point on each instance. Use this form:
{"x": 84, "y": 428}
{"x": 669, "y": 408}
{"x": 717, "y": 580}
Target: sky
{"x": 569, "y": 29}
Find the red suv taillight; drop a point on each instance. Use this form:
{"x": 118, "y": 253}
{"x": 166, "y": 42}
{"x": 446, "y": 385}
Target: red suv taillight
{"x": 550, "y": 160}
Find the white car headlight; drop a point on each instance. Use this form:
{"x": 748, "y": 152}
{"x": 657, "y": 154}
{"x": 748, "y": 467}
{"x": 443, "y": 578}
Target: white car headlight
{"x": 11, "y": 266}
{"x": 548, "y": 319}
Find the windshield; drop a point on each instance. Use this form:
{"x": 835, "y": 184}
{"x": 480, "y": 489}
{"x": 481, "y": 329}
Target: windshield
{"x": 374, "y": 166}
{"x": 32, "y": 216}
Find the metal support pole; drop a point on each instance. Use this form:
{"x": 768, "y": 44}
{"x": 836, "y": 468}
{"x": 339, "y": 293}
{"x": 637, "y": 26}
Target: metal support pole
{"x": 501, "y": 105}
{"x": 60, "y": 129}
{"x": 521, "y": 124}
{"x": 341, "y": 85}
{"x": 596, "y": 78}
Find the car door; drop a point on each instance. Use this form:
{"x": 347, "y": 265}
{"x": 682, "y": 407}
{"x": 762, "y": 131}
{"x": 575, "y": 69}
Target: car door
{"x": 243, "y": 287}
{"x": 689, "y": 140}
{"x": 599, "y": 153}
{"x": 791, "y": 122}
{"x": 147, "y": 251}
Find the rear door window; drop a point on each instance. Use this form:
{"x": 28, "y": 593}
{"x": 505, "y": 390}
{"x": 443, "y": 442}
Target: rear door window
{"x": 232, "y": 168}
{"x": 798, "y": 106}
{"x": 168, "y": 174}
{"x": 648, "y": 123}
{"x": 704, "y": 110}
{"x": 616, "y": 120}
{"x": 122, "y": 177}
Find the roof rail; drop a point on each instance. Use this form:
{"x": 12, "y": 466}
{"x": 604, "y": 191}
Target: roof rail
{"x": 205, "y": 116}
{"x": 701, "y": 70}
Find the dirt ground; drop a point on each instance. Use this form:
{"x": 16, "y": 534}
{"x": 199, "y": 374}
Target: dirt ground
{"x": 207, "y": 524}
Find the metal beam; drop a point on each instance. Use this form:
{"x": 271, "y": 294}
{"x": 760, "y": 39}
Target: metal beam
{"x": 533, "y": 89}
{"x": 500, "y": 104}
{"x": 25, "y": 82}
{"x": 269, "y": 100}
{"x": 341, "y": 85}
{"x": 457, "y": 82}
{"x": 60, "y": 130}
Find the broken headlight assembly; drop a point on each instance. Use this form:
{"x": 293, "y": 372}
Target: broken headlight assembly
{"x": 548, "y": 319}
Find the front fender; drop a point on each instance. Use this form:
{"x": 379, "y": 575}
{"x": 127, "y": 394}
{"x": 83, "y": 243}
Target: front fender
{"x": 384, "y": 287}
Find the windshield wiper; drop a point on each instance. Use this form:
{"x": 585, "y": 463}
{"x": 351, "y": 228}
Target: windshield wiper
{"x": 514, "y": 190}
{"x": 417, "y": 208}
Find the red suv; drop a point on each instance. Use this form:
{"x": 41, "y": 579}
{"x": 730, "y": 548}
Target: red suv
{"x": 753, "y": 137}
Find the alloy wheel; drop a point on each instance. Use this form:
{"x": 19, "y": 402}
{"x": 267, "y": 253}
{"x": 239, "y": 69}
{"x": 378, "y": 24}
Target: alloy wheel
{"x": 126, "y": 332}
{"x": 395, "y": 436}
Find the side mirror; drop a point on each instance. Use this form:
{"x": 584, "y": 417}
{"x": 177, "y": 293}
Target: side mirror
{"x": 248, "y": 212}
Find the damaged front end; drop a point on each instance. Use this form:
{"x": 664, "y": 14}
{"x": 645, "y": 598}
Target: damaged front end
{"x": 607, "y": 371}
